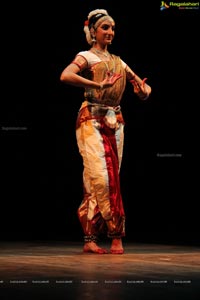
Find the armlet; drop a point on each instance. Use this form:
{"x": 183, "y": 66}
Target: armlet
{"x": 80, "y": 61}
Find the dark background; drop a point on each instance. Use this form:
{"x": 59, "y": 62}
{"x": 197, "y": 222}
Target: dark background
{"x": 41, "y": 169}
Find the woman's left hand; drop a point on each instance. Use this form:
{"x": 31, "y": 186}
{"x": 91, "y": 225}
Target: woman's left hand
{"x": 142, "y": 90}
{"x": 139, "y": 87}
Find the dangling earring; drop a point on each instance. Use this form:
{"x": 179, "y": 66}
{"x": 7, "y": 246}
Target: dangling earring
{"x": 94, "y": 39}
{"x": 92, "y": 34}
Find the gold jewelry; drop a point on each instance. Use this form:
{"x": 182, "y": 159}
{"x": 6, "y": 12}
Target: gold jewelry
{"x": 101, "y": 52}
{"x": 101, "y": 87}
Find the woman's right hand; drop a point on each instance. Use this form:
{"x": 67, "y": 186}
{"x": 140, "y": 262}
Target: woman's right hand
{"x": 110, "y": 79}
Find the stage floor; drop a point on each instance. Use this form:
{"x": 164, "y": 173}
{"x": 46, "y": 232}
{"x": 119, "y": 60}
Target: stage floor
{"x": 60, "y": 270}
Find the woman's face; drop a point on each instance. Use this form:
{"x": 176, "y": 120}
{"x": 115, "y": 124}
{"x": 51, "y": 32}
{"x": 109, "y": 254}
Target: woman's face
{"x": 105, "y": 33}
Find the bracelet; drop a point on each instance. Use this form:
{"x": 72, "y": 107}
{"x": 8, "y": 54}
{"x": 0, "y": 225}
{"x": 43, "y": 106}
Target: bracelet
{"x": 101, "y": 86}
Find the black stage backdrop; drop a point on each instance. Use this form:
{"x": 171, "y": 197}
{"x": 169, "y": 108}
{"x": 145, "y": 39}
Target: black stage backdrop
{"x": 41, "y": 182}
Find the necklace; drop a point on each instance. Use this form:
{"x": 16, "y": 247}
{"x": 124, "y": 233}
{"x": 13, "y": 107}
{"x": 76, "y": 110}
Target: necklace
{"x": 101, "y": 52}
{"x": 109, "y": 61}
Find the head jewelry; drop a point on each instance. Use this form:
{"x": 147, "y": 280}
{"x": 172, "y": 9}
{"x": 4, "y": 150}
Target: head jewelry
{"x": 94, "y": 19}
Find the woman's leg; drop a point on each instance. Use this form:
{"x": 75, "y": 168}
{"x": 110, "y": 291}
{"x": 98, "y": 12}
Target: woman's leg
{"x": 95, "y": 206}
{"x": 101, "y": 151}
{"x": 116, "y": 245}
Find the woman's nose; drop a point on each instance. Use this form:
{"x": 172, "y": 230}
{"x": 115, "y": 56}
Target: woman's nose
{"x": 110, "y": 30}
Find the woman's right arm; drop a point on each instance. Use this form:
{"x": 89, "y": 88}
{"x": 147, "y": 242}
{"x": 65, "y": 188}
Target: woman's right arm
{"x": 70, "y": 76}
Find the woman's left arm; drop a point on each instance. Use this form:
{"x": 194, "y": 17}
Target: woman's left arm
{"x": 140, "y": 87}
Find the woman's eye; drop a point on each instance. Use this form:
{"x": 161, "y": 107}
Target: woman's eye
{"x": 106, "y": 27}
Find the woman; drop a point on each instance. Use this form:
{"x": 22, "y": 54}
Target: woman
{"x": 100, "y": 131}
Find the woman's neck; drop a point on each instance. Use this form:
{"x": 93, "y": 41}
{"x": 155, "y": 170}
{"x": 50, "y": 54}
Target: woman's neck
{"x": 99, "y": 48}
{"x": 100, "y": 52}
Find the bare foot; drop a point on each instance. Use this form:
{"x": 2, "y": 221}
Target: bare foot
{"x": 92, "y": 247}
{"x": 116, "y": 247}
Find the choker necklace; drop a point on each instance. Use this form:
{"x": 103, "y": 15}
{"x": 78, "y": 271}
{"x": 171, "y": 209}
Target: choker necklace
{"x": 101, "y": 52}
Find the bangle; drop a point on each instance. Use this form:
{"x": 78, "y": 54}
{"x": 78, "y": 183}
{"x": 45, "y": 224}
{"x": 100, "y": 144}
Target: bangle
{"x": 101, "y": 86}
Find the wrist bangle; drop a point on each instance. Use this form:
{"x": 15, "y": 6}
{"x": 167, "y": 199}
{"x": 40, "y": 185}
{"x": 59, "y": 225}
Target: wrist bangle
{"x": 101, "y": 86}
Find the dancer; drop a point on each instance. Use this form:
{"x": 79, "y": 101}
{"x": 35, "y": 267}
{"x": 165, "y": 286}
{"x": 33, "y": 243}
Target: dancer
{"x": 100, "y": 131}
